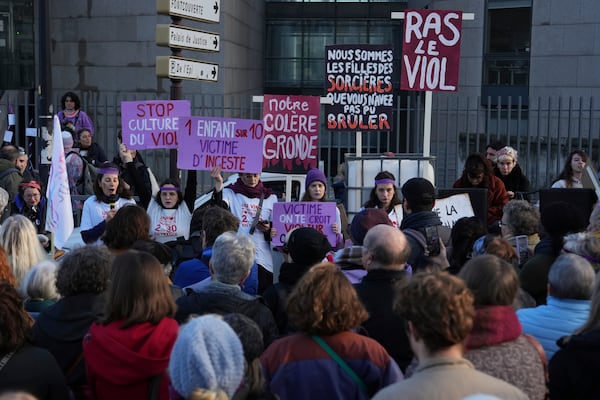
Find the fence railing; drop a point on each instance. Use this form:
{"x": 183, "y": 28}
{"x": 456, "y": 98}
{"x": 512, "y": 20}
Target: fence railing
{"x": 542, "y": 130}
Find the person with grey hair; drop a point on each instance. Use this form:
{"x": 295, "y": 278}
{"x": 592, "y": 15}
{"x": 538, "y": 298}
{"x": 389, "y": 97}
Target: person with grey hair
{"x": 570, "y": 282}
{"x": 520, "y": 218}
{"x": 230, "y": 264}
{"x": 584, "y": 244}
{"x": 39, "y": 287}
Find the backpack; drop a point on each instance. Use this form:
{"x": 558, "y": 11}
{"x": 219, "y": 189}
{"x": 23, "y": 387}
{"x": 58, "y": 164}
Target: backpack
{"x": 84, "y": 183}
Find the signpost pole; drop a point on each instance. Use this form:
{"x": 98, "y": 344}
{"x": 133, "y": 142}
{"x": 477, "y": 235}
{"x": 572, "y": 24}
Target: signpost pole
{"x": 176, "y": 94}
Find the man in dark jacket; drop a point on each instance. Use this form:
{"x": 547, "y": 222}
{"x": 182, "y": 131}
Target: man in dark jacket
{"x": 422, "y": 226}
{"x": 385, "y": 251}
{"x": 232, "y": 258}
{"x": 10, "y": 176}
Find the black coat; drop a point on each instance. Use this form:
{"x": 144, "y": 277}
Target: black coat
{"x": 61, "y": 327}
{"x": 34, "y": 370}
{"x": 516, "y": 181}
{"x": 216, "y": 299}
{"x": 574, "y": 369}
{"x": 377, "y": 291}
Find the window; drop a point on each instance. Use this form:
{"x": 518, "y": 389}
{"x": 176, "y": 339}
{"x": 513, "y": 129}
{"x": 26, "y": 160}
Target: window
{"x": 506, "y": 55}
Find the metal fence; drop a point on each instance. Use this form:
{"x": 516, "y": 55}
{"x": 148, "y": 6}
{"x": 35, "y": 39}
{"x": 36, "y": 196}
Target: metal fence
{"x": 544, "y": 131}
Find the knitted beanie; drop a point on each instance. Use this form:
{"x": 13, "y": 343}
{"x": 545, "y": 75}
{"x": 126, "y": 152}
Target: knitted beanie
{"x": 315, "y": 175}
{"x": 249, "y": 333}
{"x": 207, "y": 355}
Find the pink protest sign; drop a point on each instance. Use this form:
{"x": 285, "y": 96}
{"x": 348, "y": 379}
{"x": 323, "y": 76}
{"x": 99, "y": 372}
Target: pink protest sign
{"x": 313, "y": 214}
{"x": 152, "y": 124}
{"x": 233, "y": 144}
{"x": 291, "y": 133}
{"x": 431, "y": 50}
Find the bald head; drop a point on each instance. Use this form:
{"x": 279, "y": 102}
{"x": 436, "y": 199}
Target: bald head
{"x": 385, "y": 247}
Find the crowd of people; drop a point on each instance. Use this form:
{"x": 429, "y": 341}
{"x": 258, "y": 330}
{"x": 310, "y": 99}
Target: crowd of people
{"x": 170, "y": 302}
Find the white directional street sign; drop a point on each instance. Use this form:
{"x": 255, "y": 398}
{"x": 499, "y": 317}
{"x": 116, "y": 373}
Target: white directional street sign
{"x": 186, "y": 68}
{"x": 200, "y": 10}
{"x": 186, "y": 38}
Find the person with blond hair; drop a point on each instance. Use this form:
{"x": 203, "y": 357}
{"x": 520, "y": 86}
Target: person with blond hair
{"x": 20, "y": 240}
{"x": 326, "y": 359}
{"x": 511, "y": 174}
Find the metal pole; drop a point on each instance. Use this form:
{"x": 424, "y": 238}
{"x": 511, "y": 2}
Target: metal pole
{"x": 176, "y": 94}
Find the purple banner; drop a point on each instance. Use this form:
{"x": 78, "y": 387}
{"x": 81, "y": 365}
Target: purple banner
{"x": 235, "y": 145}
{"x": 313, "y": 214}
{"x": 152, "y": 124}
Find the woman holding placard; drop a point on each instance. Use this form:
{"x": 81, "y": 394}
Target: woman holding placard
{"x": 170, "y": 210}
{"x": 316, "y": 190}
{"x": 252, "y": 202}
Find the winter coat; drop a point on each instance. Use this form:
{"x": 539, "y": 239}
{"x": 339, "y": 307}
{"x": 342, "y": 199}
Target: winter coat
{"x": 221, "y": 298}
{"x": 574, "y": 368}
{"x": 496, "y": 197}
{"x": 297, "y": 367}
{"x": 548, "y": 323}
{"x": 377, "y": 292}
{"x": 121, "y": 363}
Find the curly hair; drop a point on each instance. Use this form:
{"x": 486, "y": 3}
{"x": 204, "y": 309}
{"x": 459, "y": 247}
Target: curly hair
{"x": 439, "y": 306}
{"x": 324, "y": 302}
{"x": 130, "y": 224}
{"x": 374, "y": 200}
{"x": 15, "y": 323}
{"x": 84, "y": 270}
{"x": 492, "y": 280}
{"x": 523, "y": 218}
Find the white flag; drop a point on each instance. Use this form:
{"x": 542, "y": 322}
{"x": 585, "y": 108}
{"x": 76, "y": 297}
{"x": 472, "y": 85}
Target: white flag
{"x": 59, "y": 216}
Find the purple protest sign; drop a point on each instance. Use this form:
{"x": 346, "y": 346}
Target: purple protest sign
{"x": 152, "y": 124}
{"x": 235, "y": 145}
{"x": 313, "y": 214}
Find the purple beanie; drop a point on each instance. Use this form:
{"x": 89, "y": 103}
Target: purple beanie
{"x": 315, "y": 175}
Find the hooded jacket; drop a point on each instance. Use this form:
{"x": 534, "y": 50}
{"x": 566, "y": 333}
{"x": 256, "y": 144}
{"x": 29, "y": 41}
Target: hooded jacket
{"x": 418, "y": 221}
{"x": 10, "y": 177}
{"x": 122, "y": 362}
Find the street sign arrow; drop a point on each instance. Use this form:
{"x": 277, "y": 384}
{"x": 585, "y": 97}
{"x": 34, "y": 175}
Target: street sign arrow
{"x": 186, "y": 68}
{"x": 182, "y": 37}
{"x": 199, "y": 10}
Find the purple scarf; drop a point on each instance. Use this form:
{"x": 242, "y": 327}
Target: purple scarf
{"x": 250, "y": 192}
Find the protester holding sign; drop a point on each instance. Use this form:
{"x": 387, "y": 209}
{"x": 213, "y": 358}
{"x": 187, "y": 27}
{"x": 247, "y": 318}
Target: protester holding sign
{"x": 252, "y": 202}
{"x": 170, "y": 211}
{"x": 385, "y": 195}
{"x": 478, "y": 173}
{"x": 315, "y": 190}
{"x": 109, "y": 196}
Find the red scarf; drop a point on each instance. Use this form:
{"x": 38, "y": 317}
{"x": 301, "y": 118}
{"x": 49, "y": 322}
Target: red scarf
{"x": 493, "y": 325}
{"x": 250, "y": 192}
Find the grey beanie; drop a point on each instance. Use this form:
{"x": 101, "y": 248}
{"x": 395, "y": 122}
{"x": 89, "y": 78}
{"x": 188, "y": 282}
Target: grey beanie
{"x": 207, "y": 355}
